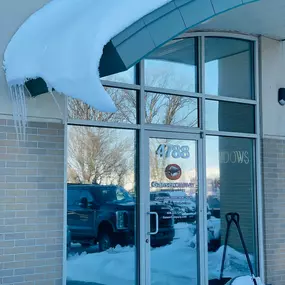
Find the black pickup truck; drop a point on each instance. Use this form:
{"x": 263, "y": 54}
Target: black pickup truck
{"x": 104, "y": 214}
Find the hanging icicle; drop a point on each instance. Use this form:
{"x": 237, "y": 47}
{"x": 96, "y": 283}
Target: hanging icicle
{"x": 18, "y": 99}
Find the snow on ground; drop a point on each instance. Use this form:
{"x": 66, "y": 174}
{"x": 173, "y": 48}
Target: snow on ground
{"x": 63, "y": 43}
{"x": 246, "y": 280}
{"x": 214, "y": 228}
{"x": 172, "y": 264}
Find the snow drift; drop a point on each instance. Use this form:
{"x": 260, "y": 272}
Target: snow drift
{"x": 171, "y": 264}
{"x": 63, "y": 43}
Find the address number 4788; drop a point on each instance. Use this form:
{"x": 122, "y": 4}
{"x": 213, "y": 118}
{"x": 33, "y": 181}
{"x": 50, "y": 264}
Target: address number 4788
{"x": 175, "y": 151}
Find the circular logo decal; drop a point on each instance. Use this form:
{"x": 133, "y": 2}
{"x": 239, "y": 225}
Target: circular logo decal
{"x": 173, "y": 171}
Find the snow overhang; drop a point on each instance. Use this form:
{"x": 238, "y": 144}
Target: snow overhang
{"x": 129, "y": 45}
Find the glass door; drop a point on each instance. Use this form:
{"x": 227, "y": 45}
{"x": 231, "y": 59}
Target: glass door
{"x": 173, "y": 207}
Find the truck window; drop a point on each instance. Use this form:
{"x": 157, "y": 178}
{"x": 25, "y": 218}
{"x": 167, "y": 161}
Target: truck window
{"x": 86, "y": 194}
{"x": 73, "y": 197}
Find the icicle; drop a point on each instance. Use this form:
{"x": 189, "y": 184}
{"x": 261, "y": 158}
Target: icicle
{"x": 18, "y": 99}
{"x": 56, "y": 102}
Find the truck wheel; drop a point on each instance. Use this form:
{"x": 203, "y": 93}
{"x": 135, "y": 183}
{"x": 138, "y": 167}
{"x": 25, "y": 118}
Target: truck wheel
{"x": 105, "y": 241}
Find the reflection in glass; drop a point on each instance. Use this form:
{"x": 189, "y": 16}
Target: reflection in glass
{"x": 230, "y": 188}
{"x": 125, "y": 101}
{"x": 127, "y": 76}
{"x": 101, "y": 205}
{"x": 173, "y": 190}
{"x": 229, "y": 67}
{"x": 171, "y": 110}
{"x": 229, "y": 117}
{"x": 173, "y": 66}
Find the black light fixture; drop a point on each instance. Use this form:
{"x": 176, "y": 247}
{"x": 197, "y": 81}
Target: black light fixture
{"x": 281, "y": 96}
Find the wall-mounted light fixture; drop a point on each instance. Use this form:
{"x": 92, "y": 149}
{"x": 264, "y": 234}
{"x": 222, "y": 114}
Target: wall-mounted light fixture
{"x": 281, "y": 96}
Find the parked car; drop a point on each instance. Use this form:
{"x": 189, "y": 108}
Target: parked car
{"x": 214, "y": 203}
{"x": 104, "y": 214}
{"x": 184, "y": 206}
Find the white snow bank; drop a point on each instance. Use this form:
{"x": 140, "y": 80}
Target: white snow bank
{"x": 214, "y": 228}
{"x": 245, "y": 280}
{"x": 63, "y": 43}
{"x": 170, "y": 265}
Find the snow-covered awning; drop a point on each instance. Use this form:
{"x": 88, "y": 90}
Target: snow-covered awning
{"x": 63, "y": 42}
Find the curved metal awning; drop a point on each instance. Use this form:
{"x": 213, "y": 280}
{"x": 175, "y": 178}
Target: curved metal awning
{"x": 151, "y": 32}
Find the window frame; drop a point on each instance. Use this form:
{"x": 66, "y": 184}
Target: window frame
{"x": 140, "y": 127}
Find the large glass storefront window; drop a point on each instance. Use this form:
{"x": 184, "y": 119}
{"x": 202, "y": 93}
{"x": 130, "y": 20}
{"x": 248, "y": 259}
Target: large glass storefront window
{"x": 229, "y": 67}
{"x": 101, "y": 195}
{"x": 171, "y": 110}
{"x": 124, "y": 99}
{"x": 230, "y": 188}
{"x": 136, "y": 191}
{"x": 230, "y": 117}
{"x": 174, "y": 66}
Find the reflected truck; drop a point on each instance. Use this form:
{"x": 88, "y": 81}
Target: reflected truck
{"x": 184, "y": 206}
{"x": 105, "y": 214}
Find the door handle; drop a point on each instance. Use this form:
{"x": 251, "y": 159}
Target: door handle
{"x": 156, "y": 223}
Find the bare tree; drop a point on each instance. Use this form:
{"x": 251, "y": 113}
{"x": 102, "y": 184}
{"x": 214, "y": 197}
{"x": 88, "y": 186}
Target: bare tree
{"x": 125, "y": 101}
{"x": 96, "y": 155}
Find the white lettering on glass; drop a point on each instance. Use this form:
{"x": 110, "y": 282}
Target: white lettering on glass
{"x": 174, "y": 151}
{"x": 234, "y": 157}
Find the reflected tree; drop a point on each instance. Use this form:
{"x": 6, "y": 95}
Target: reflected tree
{"x": 125, "y": 101}
{"x": 98, "y": 156}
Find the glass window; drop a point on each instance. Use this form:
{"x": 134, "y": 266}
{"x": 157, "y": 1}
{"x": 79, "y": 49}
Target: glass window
{"x": 127, "y": 76}
{"x": 173, "y": 66}
{"x": 173, "y": 174}
{"x": 229, "y": 117}
{"x": 125, "y": 101}
{"x": 102, "y": 235}
{"x": 171, "y": 110}
{"x": 230, "y": 188}
{"x": 86, "y": 194}
{"x": 229, "y": 67}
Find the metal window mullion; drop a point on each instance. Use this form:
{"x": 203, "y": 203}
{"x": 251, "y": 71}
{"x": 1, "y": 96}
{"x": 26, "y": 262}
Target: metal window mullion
{"x": 143, "y": 249}
{"x": 216, "y": 34}
{"x": 171, "y": 92}
{"x": 230, "y": 99}
{"x": 64, "y": 270}
{"x": 203, "y": 240}
{"x": 230, "y": 134}
{"x": 121, "y": 85}
{"x": 89, "y": 123}
{"x": 171, "y": 128}
{"x": 259, "y": 191}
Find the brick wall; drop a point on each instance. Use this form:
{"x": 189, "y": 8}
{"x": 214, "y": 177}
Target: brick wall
{"x": 273, "y": 153}
{"x": 31, "y": 204}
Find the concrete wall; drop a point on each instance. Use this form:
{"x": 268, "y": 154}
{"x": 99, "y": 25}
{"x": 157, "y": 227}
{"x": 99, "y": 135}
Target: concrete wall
{"x": 272, "y": 78}
{"x": 273, "y": 159}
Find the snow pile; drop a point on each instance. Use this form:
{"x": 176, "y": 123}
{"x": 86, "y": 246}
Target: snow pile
{"x": 214, "y": 228}
{"x": 245, "y": 280}
{"x": 235, "y": 263}
{"x": 214, "y": 231}
{"x": 171, "y": 264}
{"x": 63, "y": 43}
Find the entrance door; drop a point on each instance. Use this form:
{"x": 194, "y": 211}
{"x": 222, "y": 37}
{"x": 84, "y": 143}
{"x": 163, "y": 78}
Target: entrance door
{"x": 174, "y": 209}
